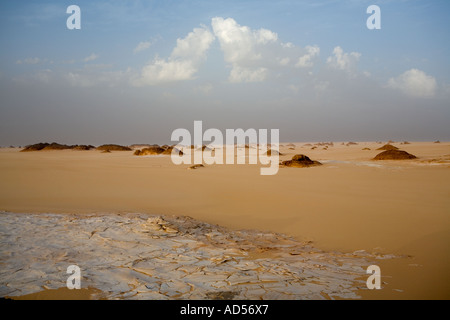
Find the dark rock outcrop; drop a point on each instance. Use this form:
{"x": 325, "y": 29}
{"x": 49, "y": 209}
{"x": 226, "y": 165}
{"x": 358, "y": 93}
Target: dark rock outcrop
{"x": 55, "y": 146}
{"x": 394, "y": 155}
{"x": 300, "y": 161}
{"x": 113, "y": 147}
{"x": 388, "y": 147}
{"x": 156, "y": 150}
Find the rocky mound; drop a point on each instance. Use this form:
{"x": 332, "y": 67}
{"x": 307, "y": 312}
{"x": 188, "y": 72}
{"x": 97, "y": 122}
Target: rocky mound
{"x": 35, "y": 147}
{"x": 168, "y": 151}
{"x": 394, "y": 155}
{"x": 300, "y": 161}
{"x": 388, "y": 147}
{"x": 83, "y": 147}
{"x": 366, "y": 148}
{"x": 196, "y": 166}
{"x": 274, "y": 152}
{"x": 156, "y": 150}
{"x": 150, "y": 151}
{"x": 113, "y": 147}
{"x": 142, "y": 145}
{"x": 331, "y": 144}
{"x": 55, "y": 146}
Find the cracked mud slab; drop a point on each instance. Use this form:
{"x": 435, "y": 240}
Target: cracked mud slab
{"x": 140, "y": 256}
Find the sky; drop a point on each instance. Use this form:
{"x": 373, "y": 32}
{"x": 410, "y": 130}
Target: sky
{"x": 138, "y": 70}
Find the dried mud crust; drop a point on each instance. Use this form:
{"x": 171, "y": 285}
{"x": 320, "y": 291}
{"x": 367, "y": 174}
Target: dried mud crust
{"x": 138, "y": 256}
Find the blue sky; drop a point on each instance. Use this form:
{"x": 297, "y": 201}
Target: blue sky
{"x": 137, "y": 70}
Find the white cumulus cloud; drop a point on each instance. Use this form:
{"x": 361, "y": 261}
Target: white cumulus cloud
{"x": 239, "y": 43}
{"x": 143, "y": 45}
{"x": 254, "y": 55}
{"x": 183, "y": 63}
{"x": 342, "y": 60}
{"x": 414, "y": 83}
{"x": 194, "y": 46}
{"x": 306, "y": 60}
{"x": 243, "y": 48}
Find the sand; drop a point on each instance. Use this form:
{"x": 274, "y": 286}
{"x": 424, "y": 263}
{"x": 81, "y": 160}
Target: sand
{"x": 350, "y": 203}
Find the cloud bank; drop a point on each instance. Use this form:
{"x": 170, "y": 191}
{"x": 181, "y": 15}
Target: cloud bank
{"x": 414, "y": 83}
{"x": 251, "y": 56}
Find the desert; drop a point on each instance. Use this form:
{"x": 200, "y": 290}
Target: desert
{"x": 321, "y": 225}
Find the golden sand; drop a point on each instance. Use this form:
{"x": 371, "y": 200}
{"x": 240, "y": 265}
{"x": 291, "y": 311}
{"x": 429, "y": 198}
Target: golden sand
{"x": 350, "y": 203}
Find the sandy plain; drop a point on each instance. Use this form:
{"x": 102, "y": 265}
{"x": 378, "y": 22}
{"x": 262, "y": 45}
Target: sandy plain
{"x": 350, "y": 203}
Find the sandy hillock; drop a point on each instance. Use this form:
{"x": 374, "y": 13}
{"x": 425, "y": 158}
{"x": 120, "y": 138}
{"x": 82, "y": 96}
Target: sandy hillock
{"x": 168, "y": 151}
{"x": 35, "y": 147}
{"x": 142, "y": 145}
{"x": 326, "y": 144}
{"x": 82, "y": 147}
{"x": 300, "y": 161}
{"x": 150, "y": 151}
{"x": 388, "y": 147}
{"x": 55, "y": 146}
{"x": 156, "y": 150}
{"x": 394, "y": 155}
{"x": 113, "y": 147}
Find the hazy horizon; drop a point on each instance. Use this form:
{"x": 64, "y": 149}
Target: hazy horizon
{"x": 137, "y": 70}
